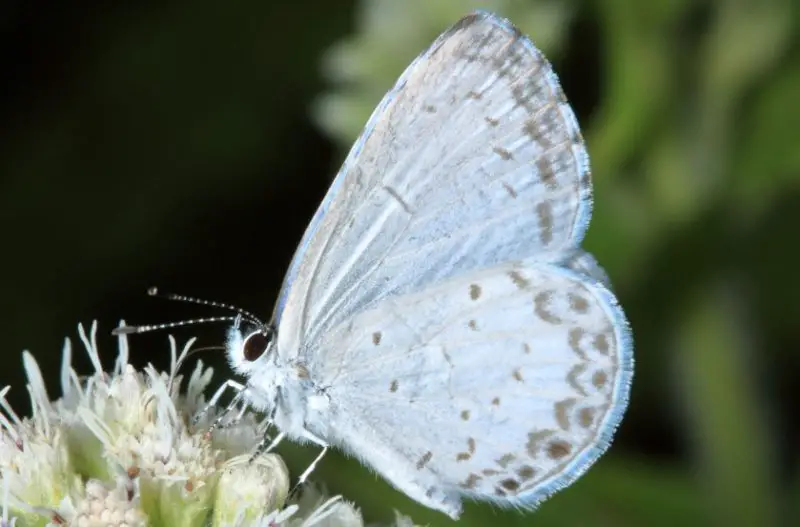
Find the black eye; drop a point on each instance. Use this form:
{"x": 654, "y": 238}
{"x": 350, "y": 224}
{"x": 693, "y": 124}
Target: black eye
{"x": 255, "y": 345}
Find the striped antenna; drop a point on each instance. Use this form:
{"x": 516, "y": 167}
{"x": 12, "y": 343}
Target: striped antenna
{"x": 127, "y": 330}
{"x": 153, "y": 291}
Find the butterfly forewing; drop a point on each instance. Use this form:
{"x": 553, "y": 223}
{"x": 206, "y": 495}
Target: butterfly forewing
{"x": 474, "y": 158}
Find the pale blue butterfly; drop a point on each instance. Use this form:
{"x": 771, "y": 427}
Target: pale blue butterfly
{"x": 439, "y": 320}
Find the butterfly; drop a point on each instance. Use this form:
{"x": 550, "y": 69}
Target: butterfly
{"x": 439, "y": 320}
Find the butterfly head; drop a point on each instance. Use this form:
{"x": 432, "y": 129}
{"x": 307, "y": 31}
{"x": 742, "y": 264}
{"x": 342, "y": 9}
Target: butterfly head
{"x": 249, "y": 348}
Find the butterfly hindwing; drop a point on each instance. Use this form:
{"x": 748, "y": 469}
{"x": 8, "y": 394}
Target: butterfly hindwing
{"x": 503, "y": 384}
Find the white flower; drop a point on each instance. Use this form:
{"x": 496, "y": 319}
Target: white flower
{"x": 119, "y": 449}
{"x": 241, "y": 483}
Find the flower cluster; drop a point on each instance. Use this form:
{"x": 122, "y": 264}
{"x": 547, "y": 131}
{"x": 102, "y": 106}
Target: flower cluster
{"x": 122, "y": 449}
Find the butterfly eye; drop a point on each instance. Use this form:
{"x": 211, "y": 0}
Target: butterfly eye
{"x": 255, "y": 345}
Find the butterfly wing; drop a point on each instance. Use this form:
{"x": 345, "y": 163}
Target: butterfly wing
{"x": 472, "y": 159}
{"x": 504, "y": 384}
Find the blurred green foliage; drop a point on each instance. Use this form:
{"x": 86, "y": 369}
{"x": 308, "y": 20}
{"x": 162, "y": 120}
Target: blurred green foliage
{"x": 169, "y": 144}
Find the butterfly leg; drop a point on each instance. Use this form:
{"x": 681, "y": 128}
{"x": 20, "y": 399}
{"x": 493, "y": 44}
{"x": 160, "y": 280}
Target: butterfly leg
{"x": 265, "y": 446}
{"x": 238, "y": 387}
{"x": 243, "y": 396}
{"x": 218, "y": 422}
{"x": 304, "y": 476}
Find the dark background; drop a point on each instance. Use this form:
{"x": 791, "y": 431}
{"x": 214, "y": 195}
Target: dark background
{"x": 187, "y": 144}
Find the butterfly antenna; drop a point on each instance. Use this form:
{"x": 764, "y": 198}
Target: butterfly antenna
{"x": 127, "y": 330}
{"x": 153, "y": 291}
